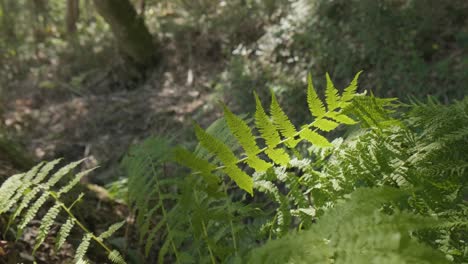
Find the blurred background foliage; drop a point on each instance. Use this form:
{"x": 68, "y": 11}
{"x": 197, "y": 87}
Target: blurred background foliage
{"x": 67, "y": 88}
{"x": 55, "y": 51}
{"x": 407, "y": 48}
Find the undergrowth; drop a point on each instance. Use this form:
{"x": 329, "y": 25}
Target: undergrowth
{"x": 392, "y": 189}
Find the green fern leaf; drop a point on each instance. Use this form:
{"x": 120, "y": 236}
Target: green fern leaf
{"x": 213, "y": 145}
{"x": 282, "y": 122}
{"x": 314, "y": 138}
{"x": 64, "y": 232}
{"x": 45, "y": 170}
{"x": 62, "y": 172}
{"x": 83, "y": 247}
{"x": 82, "y": 261}
{"x": 31, "y": 213}
{"x": 350, "y": 91}
{"x": 243, "y": 180}
{"x": 316, "y": 106}
{"x": 190, "y": 160}
{"x": 270, "y": 134}
{"x": 331, "y": 95}
{"x": 12, "y": 189}
{"x": 8, "y": 198}
{"x": 111, "y": 230}
{"x": 244, "y": 135}
{"x": 325, "y": 124}
{"x": 74, "y": 182}
{"x": 115, "y": 257}
{"x": 341, "y": 118}
{"x": 46, "y": 224}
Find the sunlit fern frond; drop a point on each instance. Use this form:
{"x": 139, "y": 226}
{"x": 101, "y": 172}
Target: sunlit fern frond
{"x": 43, "y": 188}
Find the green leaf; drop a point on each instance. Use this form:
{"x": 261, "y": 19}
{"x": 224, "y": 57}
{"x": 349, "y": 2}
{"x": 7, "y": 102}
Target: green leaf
{"x": 325, "y": 124}
{"x": 350, "y": 91}
{"x": 46, "y": 224}
{"x": 188, "y": 159}
{"x": 314, "y": 138}
{"x": 111, "y": 230}
{"x": 282, "y": 122}
{"x": 341, "y": 118}
{"x": 242, "y": 180}
{"x": 32, "y": 211}
{"x": 62, "y": 172}
{"x": 64, "y": 232}
{"x": 115, "y": 257}
{"x": 74, "y": 182}
{"x": 268, "y": 131}
{"x": 83, "y": 247}
{"x": 316, "y": 106}
{"x": 331, "y": 95}
{"x": 243, "y": 134}
{"x": 213, "y": 145}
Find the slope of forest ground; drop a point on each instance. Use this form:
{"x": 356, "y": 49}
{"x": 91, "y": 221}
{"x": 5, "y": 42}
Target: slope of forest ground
{"x": 74, "y": 97}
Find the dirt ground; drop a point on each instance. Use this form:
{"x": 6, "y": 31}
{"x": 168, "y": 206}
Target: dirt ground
{"x": 100, "y": 122}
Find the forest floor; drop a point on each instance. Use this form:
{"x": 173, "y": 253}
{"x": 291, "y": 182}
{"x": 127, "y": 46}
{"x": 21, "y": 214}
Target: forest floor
{"x": 101, "y": 122}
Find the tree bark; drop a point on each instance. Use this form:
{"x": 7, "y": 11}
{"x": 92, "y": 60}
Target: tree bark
{"x": 129, "y": 29}
{"x": 72, "y": 15}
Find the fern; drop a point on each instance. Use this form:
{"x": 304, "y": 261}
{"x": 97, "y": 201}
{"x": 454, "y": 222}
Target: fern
{"x": 326, "y": 119}
{"x": 355, "y": 232}
{"x": 32, "y": 190}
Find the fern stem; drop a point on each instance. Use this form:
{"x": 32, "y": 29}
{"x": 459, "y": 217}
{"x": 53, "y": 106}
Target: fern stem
{"x": 228, "y": 201}
{"x": 279, "y": 143}
{"x": 67, "y": 210}
{"x": 163, "y": 210}
{"x": 205, "y": 233}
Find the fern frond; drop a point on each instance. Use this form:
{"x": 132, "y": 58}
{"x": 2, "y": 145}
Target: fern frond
{"x": 316, "y": 106}
{"x": 61, "y": 173}
{"x": 331, "y": 95}
{"x": 268, "y": 131}
{"x": 45, "y": 170}
{"x": 83, "y": 247}
{"x": 227, "y": 157}
{"x": 32, "y": 190}
{"x": 74, "y": 182}
{"x": 244, "y": 135}
{"x": 339, "y": 236}
{"x": 46, "y": 224}
{"x": 115, "y": 257}
{"x": 350, "y": 91}
{"x": 192, "y": 161}
{"x": 314, "y": 137}
{"x": 325, "y": 124}
{"x": 64, "y": 232}
{"x": 111, "y": 230}
{"x": 32, "y": 211}
{"x": 282, "y": 122}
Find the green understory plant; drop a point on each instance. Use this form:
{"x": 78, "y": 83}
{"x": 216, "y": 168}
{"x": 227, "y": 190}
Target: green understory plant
{"x": 24, "y": 195}
{"x": 392, "y": 189}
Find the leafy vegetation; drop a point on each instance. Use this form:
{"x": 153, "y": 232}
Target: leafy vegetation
{"x": 394, "y": 169}
{"x": 275, "y": 172}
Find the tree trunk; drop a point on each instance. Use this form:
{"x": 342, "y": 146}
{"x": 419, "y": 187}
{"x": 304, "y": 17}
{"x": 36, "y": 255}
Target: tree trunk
{"x": 130, "y": 31}
{"x": 72, "y": 15}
